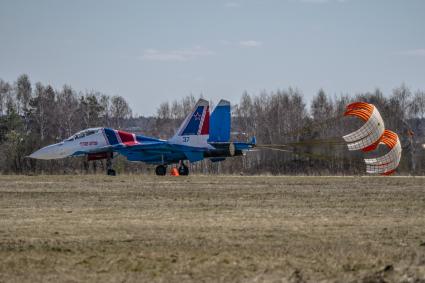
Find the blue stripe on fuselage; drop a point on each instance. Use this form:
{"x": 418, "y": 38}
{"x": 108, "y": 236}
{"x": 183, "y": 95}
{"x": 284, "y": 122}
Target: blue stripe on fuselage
{"x": 111, "y": 136}
{"x": 143, "y": 139}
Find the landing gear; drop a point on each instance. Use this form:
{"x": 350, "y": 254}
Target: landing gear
{"x": 161, "y": 170}
{"x": 109, "y": 170}
{"x": 183, "y": 169}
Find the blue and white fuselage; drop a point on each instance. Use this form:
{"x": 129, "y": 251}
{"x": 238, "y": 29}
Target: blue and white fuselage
{"x": 191, "y": 142}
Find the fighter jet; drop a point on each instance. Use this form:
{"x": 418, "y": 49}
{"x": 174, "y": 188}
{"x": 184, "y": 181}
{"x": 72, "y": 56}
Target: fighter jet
{"x": 199, "y": 136}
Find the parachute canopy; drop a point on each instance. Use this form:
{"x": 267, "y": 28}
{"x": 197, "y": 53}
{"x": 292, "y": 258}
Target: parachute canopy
{"x": 387, "y": 163}
{"x": 367, "y": 137}
{"x": 370, "y": 136}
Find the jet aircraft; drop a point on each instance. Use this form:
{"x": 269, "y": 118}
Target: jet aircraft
{"x": 199, "y": 136}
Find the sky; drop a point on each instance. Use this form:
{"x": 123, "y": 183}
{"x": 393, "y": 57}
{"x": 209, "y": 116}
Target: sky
{"x": 155, "y": 51}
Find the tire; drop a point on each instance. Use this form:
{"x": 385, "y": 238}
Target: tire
{"x": 161, "y": 170}
{"x": 111, "y": 172}
{"x": 183, "y": 170}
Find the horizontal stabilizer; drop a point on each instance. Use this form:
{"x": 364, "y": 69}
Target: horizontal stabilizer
{"x": 194, "y": 156}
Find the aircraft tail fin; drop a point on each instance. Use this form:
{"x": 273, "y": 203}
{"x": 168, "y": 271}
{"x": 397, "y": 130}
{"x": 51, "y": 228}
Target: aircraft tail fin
{"x": 194, "y": 131}
{"x": 220, "y": 122}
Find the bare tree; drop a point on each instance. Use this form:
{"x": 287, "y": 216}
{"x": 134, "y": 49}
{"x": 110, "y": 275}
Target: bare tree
{"x": 68, "y": 108}
{"x": 120, "y": 110}
{"x": 4, "y": 94}
{"x": 417, "y": 107}
{"x": 23, "y": 93}
{"x": 105, "y": 102}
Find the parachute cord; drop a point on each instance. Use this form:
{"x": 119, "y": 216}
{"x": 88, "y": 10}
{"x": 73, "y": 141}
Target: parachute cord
{"x": 315, "y": 155}
{"x": 307, "y": 128}
{"x": 329, "y": 141}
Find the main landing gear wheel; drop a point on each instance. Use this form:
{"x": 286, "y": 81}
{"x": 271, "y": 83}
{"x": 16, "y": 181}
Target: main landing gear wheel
{"x": 183, "y": 170}
{"x": 161, "y": 170}
{"x": 109, "y": 170}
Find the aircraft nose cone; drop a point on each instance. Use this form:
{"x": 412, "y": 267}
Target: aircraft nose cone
{"x": 39, "y": 154}
{"x": 48, "y": 152}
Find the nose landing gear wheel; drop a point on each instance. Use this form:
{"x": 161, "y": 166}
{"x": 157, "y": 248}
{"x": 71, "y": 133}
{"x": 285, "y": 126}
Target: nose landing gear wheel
{"x": 161, "y": 170}
{"x": 183, "y": 170}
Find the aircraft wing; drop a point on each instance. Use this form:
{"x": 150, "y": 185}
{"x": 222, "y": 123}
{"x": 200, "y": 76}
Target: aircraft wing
{"x": 159, "y": 152}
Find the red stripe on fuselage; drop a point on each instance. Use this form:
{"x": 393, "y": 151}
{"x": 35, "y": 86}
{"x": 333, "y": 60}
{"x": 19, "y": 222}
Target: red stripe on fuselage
{"x": 127, "y": 138}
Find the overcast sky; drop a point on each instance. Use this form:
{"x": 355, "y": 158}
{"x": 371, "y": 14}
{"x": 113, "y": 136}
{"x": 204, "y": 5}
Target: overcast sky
{"x": 154, "y": 51}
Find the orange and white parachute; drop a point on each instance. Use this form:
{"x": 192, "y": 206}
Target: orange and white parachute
{"x": 387, "y": 163}
{"x": 367, "y": 137}
{"x": 370, "y": 135}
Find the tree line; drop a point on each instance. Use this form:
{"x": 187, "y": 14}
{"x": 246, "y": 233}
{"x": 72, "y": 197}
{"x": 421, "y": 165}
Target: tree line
{"x": 35, "y": 115}
{"x": 32, "y": 116}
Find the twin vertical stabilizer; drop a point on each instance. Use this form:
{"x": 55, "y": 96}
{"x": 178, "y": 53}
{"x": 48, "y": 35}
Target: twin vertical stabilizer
{"x": 194, "y": 131}
{"x": 220, "y": 122}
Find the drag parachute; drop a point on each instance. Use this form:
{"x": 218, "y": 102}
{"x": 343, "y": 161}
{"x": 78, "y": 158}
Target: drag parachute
{"x": 367, "y": 137}
{"x": 370, "y": 136}
{"x": 387, "y": 163}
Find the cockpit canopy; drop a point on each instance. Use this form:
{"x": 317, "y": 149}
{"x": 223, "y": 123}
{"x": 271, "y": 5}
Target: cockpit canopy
{"x": 84, "y": 133}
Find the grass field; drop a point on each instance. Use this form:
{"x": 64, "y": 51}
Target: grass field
{"x": 212, "y": 228}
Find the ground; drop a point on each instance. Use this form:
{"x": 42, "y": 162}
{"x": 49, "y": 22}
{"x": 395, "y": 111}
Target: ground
{"x": 212, "y": 228}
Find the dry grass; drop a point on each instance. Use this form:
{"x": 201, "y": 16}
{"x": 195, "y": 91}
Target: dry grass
{"x": 201, "y": 228}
